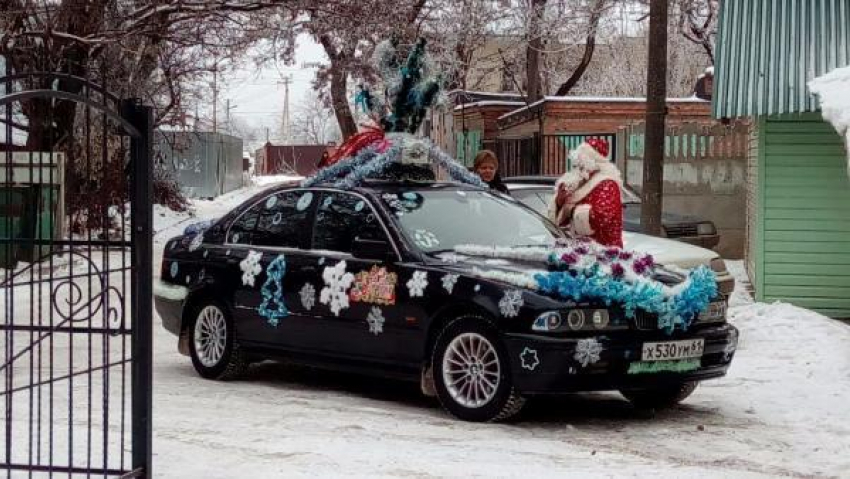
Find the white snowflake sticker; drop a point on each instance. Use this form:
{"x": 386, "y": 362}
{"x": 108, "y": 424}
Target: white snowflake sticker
{"x": 449, "y": 281}
{"x": 417, "y": 284}
{"x": 197, "y": 241}
{"x": 587, "y": 351}
{"x": 250, "y": 267}
{"x": 308, "y": 296}
{"x": 304, "y": 201}
{"x": 375, "y": 320}
{"x": 175, "y": 268}
{"x": 425, "y": 239}
{"x": 271, "y": 201}
{"x": 510, "y": 303}
{"x": 337, "y": 282}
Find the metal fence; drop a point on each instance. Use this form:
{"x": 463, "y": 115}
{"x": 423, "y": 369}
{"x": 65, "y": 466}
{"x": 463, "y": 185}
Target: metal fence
{"x": 544, "y": 155}
{"x": 204, "y": 164}
{"x": 75, "y": 288}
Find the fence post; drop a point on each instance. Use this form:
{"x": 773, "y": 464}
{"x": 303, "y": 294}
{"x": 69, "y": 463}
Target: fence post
{"x": 141, "y": 313}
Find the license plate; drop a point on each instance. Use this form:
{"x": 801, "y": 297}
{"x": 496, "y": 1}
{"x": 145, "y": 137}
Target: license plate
{"x": 667, "y": 350}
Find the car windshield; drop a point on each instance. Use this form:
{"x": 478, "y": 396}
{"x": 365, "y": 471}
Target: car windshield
{"x": 440, "y": 220}
{"x": 538, "y": 198}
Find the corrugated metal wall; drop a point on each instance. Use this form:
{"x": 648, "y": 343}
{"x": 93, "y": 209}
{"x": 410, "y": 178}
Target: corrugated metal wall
{"x": 805, "y": 231}
{"x": 204, "y": 164}
{"x": 767, "y": 50}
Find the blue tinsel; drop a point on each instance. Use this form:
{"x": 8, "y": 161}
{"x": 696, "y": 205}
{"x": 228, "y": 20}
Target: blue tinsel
{"x": 371, "y": 169}
{"x": 674, "y": 311}
{"x": 341, "y": 168}
{"x": 272, "y": 308}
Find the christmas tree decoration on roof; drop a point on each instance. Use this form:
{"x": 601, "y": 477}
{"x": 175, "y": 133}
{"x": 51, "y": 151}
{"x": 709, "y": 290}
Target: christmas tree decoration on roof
{"x": 388, "y": 149}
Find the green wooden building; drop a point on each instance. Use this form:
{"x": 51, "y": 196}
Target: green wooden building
{"x": 798, "y": 201}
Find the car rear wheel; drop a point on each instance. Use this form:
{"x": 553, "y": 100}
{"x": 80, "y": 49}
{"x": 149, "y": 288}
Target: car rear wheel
{"x": 472, "y": 373}
{"x": 661, "y": 397}
{"x": 212, "y": 343}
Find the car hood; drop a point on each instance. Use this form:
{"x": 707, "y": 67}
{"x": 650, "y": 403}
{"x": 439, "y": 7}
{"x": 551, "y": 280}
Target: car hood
{"x": 669, "y": 252}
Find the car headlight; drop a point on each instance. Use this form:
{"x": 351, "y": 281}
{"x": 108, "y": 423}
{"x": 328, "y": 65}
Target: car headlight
{"x": 577, "y": 320}
{"x": 715, "y": 313}
{"x": 706, "y": 229}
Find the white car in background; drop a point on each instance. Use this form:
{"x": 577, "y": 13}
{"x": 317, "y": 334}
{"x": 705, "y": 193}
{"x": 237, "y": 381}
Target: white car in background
{"x": 670, "y": 253}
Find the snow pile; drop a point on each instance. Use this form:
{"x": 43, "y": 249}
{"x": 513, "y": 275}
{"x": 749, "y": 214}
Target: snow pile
{"x": 834, "y": 92}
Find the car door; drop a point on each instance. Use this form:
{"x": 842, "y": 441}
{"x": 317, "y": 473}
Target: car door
{"x": 270, "y": 263}
{"x": 360, "y": 314}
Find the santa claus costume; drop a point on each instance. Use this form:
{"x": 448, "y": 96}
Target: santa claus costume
{"x": 590, "y": 205}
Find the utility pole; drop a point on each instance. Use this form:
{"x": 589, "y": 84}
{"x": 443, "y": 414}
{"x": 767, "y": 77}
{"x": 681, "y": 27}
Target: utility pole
{"x": 656, "y": 111}
{"x": 285, "y": 133}
{"x": 215, "y": 98}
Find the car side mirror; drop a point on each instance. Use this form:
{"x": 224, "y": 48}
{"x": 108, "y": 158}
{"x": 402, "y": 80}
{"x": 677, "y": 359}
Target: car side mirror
{"x": 371, "y": 249}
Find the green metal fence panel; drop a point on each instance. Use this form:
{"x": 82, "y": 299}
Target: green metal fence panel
{"x": 768, "y": 50}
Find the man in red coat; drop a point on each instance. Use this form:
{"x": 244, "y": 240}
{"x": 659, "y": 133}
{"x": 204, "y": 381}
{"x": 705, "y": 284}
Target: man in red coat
{"x": 587, "y": 199}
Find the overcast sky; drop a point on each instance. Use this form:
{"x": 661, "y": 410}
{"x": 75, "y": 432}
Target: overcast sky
{"x": 257, "y": 95}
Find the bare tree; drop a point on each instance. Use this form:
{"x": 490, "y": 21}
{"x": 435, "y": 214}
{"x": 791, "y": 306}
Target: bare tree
{"x": 314, "y": 122}
{"x": 698, "y": 23}
{"x": 349, "y": 33}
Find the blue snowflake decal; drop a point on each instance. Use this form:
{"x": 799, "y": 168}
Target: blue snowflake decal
{"x": 272, "y": 308}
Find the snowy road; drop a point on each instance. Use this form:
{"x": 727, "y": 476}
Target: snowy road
{"x": 782, "y": 412}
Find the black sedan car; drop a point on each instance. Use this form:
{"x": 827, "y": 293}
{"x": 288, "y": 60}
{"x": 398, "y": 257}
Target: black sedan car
{"x": 370, "y": 280}
{"x": 537, "y": 191}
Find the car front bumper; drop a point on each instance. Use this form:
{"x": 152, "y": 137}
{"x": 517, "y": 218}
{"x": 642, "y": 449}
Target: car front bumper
{"x": 169, "y": 300}
{"x": 545, "y": 365}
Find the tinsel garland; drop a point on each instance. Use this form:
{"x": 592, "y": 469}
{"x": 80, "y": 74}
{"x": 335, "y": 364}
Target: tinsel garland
{"x": 272, "y": 308}
{"x": 456, "y": 171}
{"x": 370, "y": 169}
{"x": 583, "y": 271}
{"x": 343, "y": 166}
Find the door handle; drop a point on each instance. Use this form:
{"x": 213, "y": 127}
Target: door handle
{"x": 309, "y": 269}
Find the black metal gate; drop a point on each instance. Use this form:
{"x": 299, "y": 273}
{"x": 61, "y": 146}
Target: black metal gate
{"x": 75, "y": 279}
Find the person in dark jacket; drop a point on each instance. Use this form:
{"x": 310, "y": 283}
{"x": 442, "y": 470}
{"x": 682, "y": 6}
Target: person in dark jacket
{"x": 486, "y": 166}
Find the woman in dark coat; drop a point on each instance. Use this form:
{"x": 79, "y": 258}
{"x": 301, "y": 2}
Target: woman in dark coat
{"x": 486, "y": 166}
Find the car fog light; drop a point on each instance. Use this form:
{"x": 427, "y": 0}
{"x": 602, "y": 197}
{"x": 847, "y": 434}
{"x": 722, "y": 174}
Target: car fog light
{"x": 706, "y": 229}
{"x": 576, "y": 319}
{"x": 548, "y": 321}
{"x": 600, "y": 318}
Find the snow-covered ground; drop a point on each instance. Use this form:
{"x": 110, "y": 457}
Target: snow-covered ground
{"x": 781, "y": 412}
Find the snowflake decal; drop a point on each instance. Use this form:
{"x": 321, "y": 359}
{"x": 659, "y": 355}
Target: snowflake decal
{"x": 250, "y": 267}
{"x": 375, "y": 320}
{"x": 510, "y": 303}
{"x": 425, "y": 239}
{"x": 308, "y": 296}
{"x": 337, "y": 282}
{"x": 197, "y": 241}
{"x": 529, "y": 359}
{"x": 417, "y": 284}
{"x": 587, "y": 351}
{"x": 449, "y": 281}
{"x": 175, "y": 268}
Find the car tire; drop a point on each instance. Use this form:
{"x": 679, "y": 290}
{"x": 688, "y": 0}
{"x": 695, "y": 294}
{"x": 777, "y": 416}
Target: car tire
{"x": 212, "y": 343}
{"x": 661, "y": 397}
{"x": 489, "y": 395}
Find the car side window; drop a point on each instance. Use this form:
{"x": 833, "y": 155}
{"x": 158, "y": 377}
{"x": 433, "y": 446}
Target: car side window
{"x": 283, "y": 219}
{"x": 341, "y": 217}
{"x": 242, "y": 230}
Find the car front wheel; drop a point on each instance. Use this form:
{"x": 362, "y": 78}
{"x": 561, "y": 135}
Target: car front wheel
{"x": 212, "y": 343}
{"x": 661, "y": 397}
{"x": 472, "y": 372}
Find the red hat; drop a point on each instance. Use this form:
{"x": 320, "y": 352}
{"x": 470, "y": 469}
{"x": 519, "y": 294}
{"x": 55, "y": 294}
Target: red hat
{"x": 600, "y": 145}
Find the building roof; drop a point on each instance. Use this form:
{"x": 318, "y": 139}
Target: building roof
{"x": 768, "y": 50}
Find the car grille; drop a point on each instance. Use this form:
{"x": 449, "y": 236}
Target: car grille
{"x": 678, "y": 231}
{"x": 645, "y": 321}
